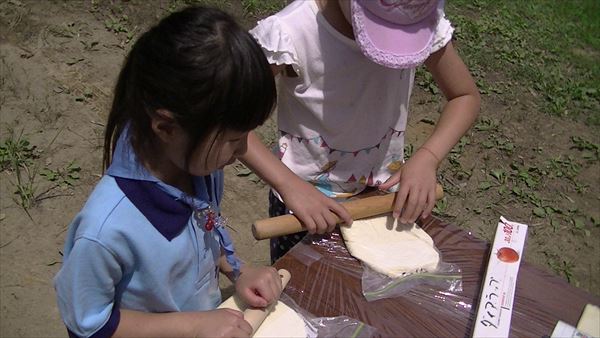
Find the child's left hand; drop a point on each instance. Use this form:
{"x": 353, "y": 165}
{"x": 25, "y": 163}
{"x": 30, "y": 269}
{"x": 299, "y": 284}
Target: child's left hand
{"x": 258, "y": 286}
{"x": 417, "y": 183}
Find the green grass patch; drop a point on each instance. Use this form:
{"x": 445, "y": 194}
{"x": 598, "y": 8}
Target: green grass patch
{"x": 550, "y": 48}
{"x": 262, "y": 8}
{"x": 22, "y": 160}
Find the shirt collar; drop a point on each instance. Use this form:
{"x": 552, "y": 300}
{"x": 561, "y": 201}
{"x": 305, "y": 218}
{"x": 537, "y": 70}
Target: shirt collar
{"x": 166, "y": 207}
{"x": 124, "y": 162}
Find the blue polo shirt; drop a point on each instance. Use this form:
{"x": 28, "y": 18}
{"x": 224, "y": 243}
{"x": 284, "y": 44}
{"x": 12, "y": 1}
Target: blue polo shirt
{"x": 140, "y": 244}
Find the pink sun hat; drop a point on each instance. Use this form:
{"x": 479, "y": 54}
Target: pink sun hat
{"x": 396, "y": 33}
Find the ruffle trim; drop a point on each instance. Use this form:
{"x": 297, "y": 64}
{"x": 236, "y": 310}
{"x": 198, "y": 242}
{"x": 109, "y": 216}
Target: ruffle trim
{"x": 278, "y": 46}
{"x": 443, "y": 34}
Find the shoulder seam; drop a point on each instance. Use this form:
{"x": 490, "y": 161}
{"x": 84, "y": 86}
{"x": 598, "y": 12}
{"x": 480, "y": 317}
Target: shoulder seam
{"x": 96, "y": 238}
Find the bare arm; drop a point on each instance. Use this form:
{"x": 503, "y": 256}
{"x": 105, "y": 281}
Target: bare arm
{"x": 215, "y": 323}
{"x": 257, "y": 286}
{"x": 416, "y": 196}
{"x": 277, "y": 69}
{"x": 455, "y": 81}
{"x": 266, "y": 165}
{"x": 315, "y": 210}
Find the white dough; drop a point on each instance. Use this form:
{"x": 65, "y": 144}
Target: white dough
{"x": 390, "y": 248}
{"x": 281, "y": 322}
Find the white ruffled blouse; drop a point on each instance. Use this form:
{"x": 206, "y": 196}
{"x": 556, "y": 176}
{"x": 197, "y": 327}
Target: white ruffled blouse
{"x": 342, "y": 119}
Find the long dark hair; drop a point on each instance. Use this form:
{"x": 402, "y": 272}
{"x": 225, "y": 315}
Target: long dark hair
{"x": 200, "y": 65}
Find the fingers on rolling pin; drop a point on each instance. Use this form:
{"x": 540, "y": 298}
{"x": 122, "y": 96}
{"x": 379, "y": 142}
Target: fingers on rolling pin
{"x": 358, "y": 208}
{"x": 255, "y": 317}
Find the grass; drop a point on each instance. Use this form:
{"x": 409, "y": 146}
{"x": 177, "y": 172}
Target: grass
{"x": 22, "y": 159}
{"x": 18, "y": 155}
{"x": 262, "y": 8}
{"x": 549, "y": 47}
{"x": 541, "y": 56}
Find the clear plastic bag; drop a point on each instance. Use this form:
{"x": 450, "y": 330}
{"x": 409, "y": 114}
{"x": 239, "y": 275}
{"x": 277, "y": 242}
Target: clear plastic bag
{"x": 378, "y": 286}
{"x": 323, "y": 327}
{"x": 342, "y": 326}
{"x": 334, "y": 326}
{"x": 447, "y": 276}
{"x": 327, "y": 281}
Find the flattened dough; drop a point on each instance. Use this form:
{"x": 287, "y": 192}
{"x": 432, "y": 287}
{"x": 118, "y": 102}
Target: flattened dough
{"x": 281, "y": 322}
{"x": 390, "y": 248}
{"x": 589, "y": 322}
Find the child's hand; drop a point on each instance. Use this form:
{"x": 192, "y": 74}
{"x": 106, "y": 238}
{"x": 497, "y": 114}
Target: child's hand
{"x": 417, "y": 183}
{"x": 258, "y": 286}
{"x": 316, "y": 211}
{"x": 216, "y": 323}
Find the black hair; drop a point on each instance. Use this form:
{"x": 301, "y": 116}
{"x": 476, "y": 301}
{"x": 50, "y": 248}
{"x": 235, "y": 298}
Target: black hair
{"x": 200, "y": 65}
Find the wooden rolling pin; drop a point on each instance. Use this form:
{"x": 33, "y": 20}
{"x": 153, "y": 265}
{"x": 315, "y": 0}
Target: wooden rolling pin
{"x": 256, "y": 316}
{"x": 358, "y": 208}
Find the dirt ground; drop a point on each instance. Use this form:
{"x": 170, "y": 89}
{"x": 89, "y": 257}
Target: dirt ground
{"x": 59, "y": 61}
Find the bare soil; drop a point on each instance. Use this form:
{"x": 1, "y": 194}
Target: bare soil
{"x": 59, "y": 61}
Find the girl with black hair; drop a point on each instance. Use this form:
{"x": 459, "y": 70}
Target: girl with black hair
{"x": 143, "y": 256}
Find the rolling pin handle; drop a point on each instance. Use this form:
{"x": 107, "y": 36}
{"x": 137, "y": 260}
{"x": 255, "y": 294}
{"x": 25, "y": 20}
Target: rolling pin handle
{"x": 255, "y": 317}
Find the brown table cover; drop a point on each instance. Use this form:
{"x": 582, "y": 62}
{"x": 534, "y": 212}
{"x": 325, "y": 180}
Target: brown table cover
{"x": 326, "y": 281}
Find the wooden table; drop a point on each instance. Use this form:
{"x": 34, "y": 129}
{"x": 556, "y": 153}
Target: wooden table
{"x": 326, "y": 281}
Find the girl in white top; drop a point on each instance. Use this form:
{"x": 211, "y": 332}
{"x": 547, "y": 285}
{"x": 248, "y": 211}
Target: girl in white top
{"x": 347, "y": 69}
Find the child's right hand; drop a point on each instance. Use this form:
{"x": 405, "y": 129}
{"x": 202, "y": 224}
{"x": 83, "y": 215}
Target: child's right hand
{"x": 218, "y": 323}
{"x": 258, "y": 286}
{"x": 316, "y": 211}
{"x": 417, "y": 181}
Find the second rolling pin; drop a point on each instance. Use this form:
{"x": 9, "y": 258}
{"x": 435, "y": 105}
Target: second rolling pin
{"x": 255, "y": 317}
